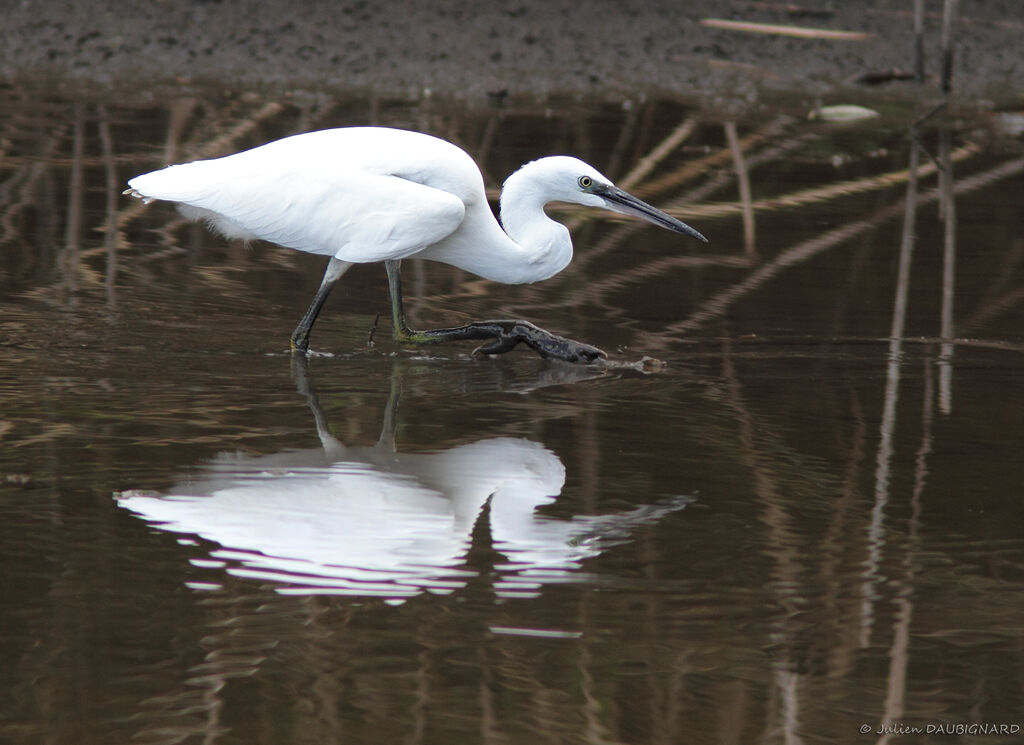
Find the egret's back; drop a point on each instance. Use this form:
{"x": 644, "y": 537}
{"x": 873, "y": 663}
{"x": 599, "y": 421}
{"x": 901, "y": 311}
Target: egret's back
{"x": 360, "y": 194}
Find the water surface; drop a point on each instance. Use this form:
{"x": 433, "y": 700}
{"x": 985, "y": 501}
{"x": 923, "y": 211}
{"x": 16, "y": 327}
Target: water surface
{"x": 805, "y": 524}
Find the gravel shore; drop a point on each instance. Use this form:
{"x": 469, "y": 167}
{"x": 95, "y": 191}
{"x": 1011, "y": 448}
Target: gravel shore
{"x": 471, "y": 49}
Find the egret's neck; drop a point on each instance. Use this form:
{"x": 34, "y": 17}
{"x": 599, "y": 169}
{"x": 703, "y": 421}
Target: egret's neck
{"x": 530, "y": 248}
{"x": 545, "y": 245}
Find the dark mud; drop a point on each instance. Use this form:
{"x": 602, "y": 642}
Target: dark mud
{"x": 624, "y": 48}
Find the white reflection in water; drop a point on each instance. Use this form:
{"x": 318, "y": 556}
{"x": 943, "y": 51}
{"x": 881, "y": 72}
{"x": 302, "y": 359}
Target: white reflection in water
{"x": 375, "y": 522}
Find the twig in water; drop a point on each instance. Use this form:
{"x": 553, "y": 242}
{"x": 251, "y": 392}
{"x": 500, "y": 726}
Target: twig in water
{"x": 373, "y": 330}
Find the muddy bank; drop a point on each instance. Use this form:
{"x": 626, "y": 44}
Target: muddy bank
{"x": 468, "y": 49}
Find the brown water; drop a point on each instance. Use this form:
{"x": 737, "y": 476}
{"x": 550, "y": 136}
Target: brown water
{"x": 806, "y": 524}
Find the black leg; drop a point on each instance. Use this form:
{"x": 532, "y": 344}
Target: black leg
{"x": 300, "y": 336}
{"x": 505, "y": 335}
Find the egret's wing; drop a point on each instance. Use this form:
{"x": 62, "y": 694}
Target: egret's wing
{"x": 354, "y": 215}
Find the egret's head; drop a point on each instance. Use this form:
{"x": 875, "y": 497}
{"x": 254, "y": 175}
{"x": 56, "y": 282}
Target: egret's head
{"x": 558, "y": 178}
{"x": 561, "y": 178}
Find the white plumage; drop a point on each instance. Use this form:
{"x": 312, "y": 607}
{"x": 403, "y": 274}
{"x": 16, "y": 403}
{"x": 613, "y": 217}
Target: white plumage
{"x": 367, "y": 194}
{"x": 338, "y": 192}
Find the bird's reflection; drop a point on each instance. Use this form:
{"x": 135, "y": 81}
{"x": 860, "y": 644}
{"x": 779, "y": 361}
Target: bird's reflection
{"x": 372, "y": 521}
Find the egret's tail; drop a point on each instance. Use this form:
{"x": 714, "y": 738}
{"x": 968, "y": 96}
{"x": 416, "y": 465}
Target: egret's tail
{"x": 172, "y": 184}
{"x": 190, "y": 186}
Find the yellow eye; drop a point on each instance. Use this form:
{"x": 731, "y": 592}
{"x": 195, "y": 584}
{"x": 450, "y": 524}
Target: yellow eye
{"x": 586, "y": 182}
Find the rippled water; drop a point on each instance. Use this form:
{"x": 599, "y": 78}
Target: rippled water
{"x": 807, "y": 523}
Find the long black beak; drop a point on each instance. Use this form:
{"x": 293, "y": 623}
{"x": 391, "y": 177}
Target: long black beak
{"x": 624, "y": 202}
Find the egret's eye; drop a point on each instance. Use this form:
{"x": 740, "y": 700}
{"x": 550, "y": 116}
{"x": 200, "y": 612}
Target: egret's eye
{"x": 586, "y": 182}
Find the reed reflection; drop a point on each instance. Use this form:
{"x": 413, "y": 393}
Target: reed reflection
{"x": 376, "y": 522}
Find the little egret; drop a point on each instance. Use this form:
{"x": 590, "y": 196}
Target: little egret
{"x": 367, "y": 194}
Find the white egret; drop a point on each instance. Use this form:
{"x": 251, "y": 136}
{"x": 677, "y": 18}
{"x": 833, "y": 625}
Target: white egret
{"x": 367, "y": 194}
